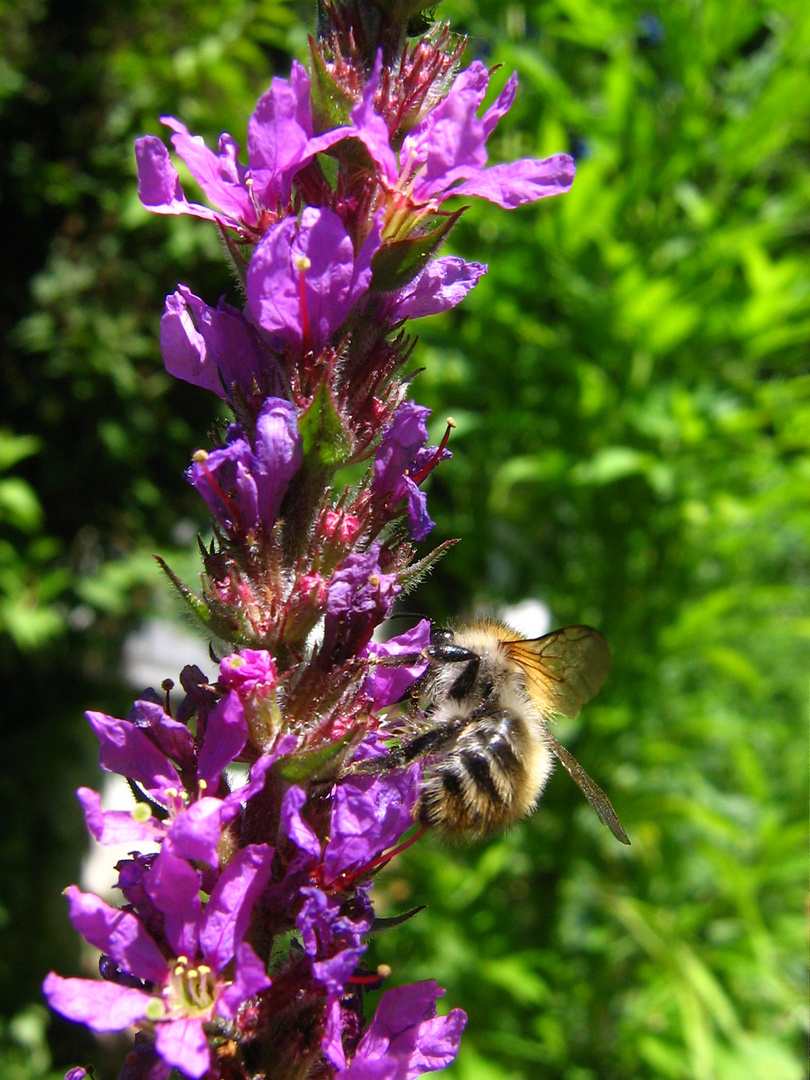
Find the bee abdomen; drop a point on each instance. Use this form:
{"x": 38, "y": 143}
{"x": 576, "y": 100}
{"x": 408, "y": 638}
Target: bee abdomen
{"x": 474, "y": 790}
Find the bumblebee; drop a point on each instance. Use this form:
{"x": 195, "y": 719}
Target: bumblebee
{"x": 478, "y": 724}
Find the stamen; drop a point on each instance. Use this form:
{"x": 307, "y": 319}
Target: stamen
{"x": 200, "y": 457}
{"x": 302, "y": 263}
{"x": 434, "y": 461}
{"x": 369, "y": 979}
{"x": 167, "y": 686}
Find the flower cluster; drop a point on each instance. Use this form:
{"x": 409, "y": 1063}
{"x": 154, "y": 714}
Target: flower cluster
{"x": 239, "y": 948}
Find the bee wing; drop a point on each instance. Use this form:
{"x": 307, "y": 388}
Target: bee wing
{"x": 564, "y": 669}
{"x": 589, "y": 788}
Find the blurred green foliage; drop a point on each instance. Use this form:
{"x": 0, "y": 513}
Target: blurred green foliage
{"x": 630, "y": 382}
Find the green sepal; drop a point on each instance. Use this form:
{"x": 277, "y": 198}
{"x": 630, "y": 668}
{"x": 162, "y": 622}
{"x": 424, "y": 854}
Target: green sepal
{"x": 329, "y": 103}
{"x": 312, "y": 764}
{"x": 399, "y": 261}
{"x": 410, "y": 577}
{"x": 238, "y": 260}
{"x": 325, "y": 439}
{"x": 196, "y": 605}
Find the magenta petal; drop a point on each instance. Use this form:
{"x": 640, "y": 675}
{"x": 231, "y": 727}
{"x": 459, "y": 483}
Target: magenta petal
{"x": 103, "y": 1006}
{"x": 387, "y": 685}
{"x": 328, "y": 280}
{"x": 279, "y": 455}
{"x": 174, "y": 888}
{"x": 336, "y": 971}
{"x": 116, "y": 826}
{"x": 170, "y": 736}
{"x": 332, "y": 1041}
{"x": 182, "y": 1043}
{"x": 158, "y": 183}
{"x": 272, "y": 284}
{"x": 225, "y": 737}
{"x": 230, "y": 906}
{"x": 250, "y": 979}
{"x": 118, "y": 933}
{"x": 367, "y": 818}
{"x": 371, "y": 128}
{"x": 276, "y": 142}
{"x": 361, "y": 278}
{"x": 294, "y": 825}
{"x": 437, "y": 1044}
{"x": 451, "y": 139}
{"x": 183, "y": 347}
{"x": 195, "y": 833}
{"x": 127, "y": 751}
{"x": 220, "y": 176}
{"x": 518, "y": 182}
{"x": 405, "y": 1029}
{"x": 439, "y": 287}
{"x": 502, "y": 104}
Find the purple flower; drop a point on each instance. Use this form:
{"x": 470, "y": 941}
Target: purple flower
{"x": 359, "y": 597}
{"x": 406, "y": 1038}
{"x": 332, "y": 938}
{"x": 181, "y": 993}
{"x": 244, "y": 486}
{"x": 386, "y": 685}
{"x": 445, "y": 154}
{"x": 224, "y": 477}
{"x": 191, "y": 830}
{"x": 247, "y": 198}
{"x": 449, "y": 146}
{"x": 369, "y": 815}
{"x": 303, "y": 280}
{"x": 248, "y": 672}
{"x": 217, "y": 349}
{"x": 402, "y": 454}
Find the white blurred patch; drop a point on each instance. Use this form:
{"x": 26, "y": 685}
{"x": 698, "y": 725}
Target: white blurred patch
{"x": 160, "y": 650}
{"x": 97, "y": 873}
{"x": 531, "y": 618}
